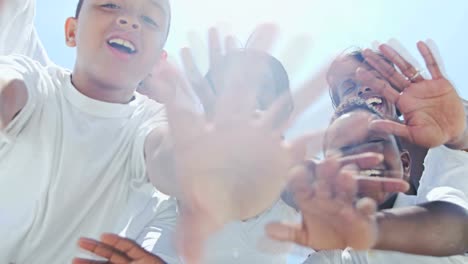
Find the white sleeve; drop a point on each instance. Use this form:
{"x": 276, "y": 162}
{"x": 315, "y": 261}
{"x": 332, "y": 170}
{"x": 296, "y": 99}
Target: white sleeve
{"x": 158, "y": 236}
{"x": 153, "y": 225}
{"x": 445, "y": 177}
{"x": 18, "y": 34}
{"x": 391, "y": 257}
{"x": 31, "y": 72}
{"x": 347, "y": 256}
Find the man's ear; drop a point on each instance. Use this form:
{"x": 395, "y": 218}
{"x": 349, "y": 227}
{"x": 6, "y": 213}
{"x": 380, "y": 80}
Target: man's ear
{"x": 406, "y": 163}
{"x": 70, "y": 31}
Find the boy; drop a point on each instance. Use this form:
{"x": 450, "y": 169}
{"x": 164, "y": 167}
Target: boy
{"x": 85, "y": 129}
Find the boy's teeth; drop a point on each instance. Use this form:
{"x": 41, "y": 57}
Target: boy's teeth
{"x": 123, "y": 43}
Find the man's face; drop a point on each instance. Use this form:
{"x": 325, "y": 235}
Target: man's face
{"x": 343, "y": 82}
{"x": 119, "y": 41}
{"x": 349, "y": 135}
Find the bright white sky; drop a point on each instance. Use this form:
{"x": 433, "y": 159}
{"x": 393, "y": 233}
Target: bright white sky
{"x": 330, "y": 26}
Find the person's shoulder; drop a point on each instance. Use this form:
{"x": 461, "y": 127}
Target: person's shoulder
{"x": 443, "y": 154}
{"x": 148, "y": 104}
{"x": 19, "y": 60}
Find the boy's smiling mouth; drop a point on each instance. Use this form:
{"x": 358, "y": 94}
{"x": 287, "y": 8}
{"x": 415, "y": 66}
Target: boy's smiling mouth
{"x": 122, "y": 45}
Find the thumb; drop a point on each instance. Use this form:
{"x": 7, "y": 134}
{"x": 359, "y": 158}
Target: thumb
{"x": 286, "y": 232}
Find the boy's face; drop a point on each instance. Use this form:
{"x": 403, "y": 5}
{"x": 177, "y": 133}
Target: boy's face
{"x": 349, "y": 135}
{"x": 119, "y": 41}
{"x": 343, "y": 82}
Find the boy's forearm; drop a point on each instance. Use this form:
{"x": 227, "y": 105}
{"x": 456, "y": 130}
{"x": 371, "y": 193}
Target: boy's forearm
{"x": 435, "y": 228}
{"x": 161, "y": 162}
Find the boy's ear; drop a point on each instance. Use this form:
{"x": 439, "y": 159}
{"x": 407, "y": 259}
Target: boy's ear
{"x": 406, "y": 163}
{"x": 164, "y": 55}
{"x": 70, "y": 31}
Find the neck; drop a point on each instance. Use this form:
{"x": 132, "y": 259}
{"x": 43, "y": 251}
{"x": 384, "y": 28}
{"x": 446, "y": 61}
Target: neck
{"x": 101, "y": 91}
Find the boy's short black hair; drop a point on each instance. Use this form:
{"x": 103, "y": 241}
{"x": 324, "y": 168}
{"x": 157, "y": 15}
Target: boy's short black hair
{"x": 78, "y": 8}
{"x": 80, "y": 4}
{"x": 280, "y": 76}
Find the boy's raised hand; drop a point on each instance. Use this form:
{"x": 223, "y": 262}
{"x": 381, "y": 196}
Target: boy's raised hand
{"x": 231, "y": 163}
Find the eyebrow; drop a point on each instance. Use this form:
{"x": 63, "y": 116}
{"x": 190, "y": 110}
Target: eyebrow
{"x": 157, "y": 4}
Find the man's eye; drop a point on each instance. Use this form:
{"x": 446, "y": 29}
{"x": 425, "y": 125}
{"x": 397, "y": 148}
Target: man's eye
{"x": 376, "y": 141}
{"x": 348, "y": 87}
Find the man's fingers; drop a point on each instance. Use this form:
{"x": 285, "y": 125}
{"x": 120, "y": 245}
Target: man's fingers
{"x": 391, "y": 128}
{"x": 103, "y": 250}
{"x": 129, "y": 247}
{"x": 346, "y": 187}
{"x": 366, "y": 206}
{"x": 287, "y": 233}
{"x": 369, "y": 79}
{"x": 380, "y": 185}
{"x": 405, "y": 67}
{"x": 263, "y": 38}
{"x": 364, "y": 160}
{"x": 430, "y": 60}
{"x": 214, "y": 46}
{"x": 230, "y": 43}
{"x": 386, "y": 70}
{"x": 88, "y": 261}
{"x": 200, "y": 85}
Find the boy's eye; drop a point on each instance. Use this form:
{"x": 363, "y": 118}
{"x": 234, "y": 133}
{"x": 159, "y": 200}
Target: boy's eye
{"x": 111, "y": 6}
{"x": 150, "y": 21}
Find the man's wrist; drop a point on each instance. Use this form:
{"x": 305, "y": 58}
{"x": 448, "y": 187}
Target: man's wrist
{"x": 461, "y": 143}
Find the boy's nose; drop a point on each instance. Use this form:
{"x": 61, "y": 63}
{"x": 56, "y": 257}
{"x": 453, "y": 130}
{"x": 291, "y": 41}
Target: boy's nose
{"x": 128, "y": 23}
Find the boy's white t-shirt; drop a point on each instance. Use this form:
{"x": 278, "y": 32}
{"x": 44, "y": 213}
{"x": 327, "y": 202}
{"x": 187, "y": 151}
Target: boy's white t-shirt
{"x": 18, "y": 34}
{"x": 71, "y": 165}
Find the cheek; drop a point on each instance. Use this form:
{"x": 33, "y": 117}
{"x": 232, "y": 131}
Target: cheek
{"x": 393, "y": 163}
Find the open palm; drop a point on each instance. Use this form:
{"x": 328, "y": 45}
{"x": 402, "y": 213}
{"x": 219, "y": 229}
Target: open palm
{"x": 432, "y": 110}
{"x": 116, "y": 250}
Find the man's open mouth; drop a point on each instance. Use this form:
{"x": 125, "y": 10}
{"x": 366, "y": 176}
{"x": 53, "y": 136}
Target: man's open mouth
{"x": 372, "y": 173}
{"x": 375, "y": 101}
{"x": 122, "y": 45}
